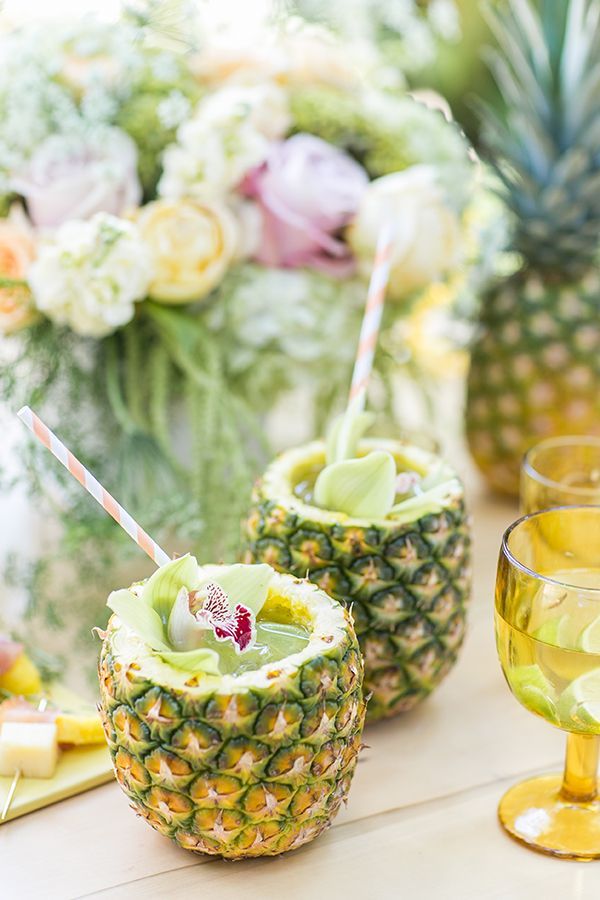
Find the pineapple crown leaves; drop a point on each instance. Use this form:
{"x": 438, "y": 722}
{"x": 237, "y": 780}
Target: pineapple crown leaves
{"x": 160, "y": 612}
{"x": 545, "y": 144}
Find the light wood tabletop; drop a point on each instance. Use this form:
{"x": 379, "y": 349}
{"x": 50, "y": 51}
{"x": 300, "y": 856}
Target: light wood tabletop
{"x": 420, "y": 822}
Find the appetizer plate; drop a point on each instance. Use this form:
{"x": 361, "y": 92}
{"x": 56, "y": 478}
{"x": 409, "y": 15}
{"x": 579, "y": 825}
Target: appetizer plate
{"x": 78, "y": 770}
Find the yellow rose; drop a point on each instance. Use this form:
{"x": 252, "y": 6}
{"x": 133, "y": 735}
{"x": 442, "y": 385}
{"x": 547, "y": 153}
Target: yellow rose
{"x": 192, "y": 244}
{"x": 17, "y": 252}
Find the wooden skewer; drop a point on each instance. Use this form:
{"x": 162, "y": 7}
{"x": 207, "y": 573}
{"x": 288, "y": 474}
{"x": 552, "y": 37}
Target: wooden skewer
{"x": 10, "y": 795}
{"x": 13, "y": 785}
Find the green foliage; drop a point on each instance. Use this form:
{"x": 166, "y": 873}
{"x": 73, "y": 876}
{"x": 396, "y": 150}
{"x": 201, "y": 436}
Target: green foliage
{"x": 387, "y": 133}
{"x": 139, "y": 115}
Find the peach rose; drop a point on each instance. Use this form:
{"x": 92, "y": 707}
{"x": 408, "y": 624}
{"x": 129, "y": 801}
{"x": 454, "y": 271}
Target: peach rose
{"x": 17, "y": 252}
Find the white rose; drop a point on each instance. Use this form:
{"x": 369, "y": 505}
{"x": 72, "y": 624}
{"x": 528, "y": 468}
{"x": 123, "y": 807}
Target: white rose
{"x": 73, "y": 177}
{"x": 427, "y": 231}
{"x": 89, "y": 275}
{"x": 228, "y": 135}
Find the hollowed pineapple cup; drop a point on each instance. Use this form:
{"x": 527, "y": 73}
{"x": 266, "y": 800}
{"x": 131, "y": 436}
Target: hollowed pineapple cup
{"x": 239, "y": 766}
{"x": 405, "y": 582}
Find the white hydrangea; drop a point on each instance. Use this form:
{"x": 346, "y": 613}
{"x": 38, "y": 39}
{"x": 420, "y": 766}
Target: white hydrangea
{"x": 173, "y": 110}
{"x": 89, "y": 275}
{"x": 296, "y": 311}
{"x": 227, "y": 136}
{"x": 264, "y": 106}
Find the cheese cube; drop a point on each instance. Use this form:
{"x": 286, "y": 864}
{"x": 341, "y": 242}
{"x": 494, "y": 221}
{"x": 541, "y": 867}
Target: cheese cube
{"x": 31, "y": 747}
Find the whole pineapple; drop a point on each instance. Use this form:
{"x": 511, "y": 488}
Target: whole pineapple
{"x": 535, "y": 369}
{"x": 406, "y": 581}
{"x": 238, "y": 765}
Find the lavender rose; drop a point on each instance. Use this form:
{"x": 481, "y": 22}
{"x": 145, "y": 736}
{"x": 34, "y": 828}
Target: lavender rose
{"x": 307, "y": 191}
{"x": 73, "y": 177}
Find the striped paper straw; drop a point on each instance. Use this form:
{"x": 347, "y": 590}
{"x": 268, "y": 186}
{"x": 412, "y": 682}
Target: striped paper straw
{"x": 369, "y": 331}
{"x": 92, "y": 486}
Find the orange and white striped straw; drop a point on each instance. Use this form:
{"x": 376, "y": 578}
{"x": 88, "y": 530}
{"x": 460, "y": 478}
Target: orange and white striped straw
{"x": 92, "y": 486}
{"x": 371, "y": 322}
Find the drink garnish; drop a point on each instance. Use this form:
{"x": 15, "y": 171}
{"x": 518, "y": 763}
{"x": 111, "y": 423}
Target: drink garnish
{"x": 236, "y": 625}
{"x": 534, "y": 690}
{"x": 579, "y": 704}
{"x": 370, "y": 485}
{"x": 589, "y": 639}
{"x": 181, "y": 602}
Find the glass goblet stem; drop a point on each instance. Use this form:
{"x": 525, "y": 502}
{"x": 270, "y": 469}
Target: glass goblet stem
{"x": 581, "y": 766}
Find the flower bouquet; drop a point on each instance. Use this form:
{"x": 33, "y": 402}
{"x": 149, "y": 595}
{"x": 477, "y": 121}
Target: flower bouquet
{"x": 185, "y": 238}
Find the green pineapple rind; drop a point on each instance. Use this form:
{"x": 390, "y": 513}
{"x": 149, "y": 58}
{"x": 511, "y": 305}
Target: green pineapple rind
{"x": 407, "y": 585}
{"x": 535, "y": 371}
{"x": 241, "y": 768}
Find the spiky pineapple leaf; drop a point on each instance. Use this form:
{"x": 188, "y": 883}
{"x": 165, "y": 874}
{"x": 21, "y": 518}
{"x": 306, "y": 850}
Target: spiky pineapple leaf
{"x": 544, "y": 144}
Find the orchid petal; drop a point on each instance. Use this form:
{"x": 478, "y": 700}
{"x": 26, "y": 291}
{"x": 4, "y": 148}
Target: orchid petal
{"x": 199, "y": 660}
{"x": 245, "y": 584}
{"x": 345, "y": 434}
{"x": 140, "y": 617}
{"x": 163, "y": 587}
{"x": 425, "y": 504}
{"x": 362, "y": 488}
{"x": 185, "y": 633}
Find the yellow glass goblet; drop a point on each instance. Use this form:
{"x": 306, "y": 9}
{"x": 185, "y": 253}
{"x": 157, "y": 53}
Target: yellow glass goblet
{"x": 561, "y": 471}
{"x": 547, "y": 615}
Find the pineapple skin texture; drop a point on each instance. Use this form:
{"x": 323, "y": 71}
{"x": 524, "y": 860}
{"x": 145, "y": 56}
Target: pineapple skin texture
{"x": 407, "y": 587}
{"x": 255, "y": 773}
{"x": 535, "y": 371}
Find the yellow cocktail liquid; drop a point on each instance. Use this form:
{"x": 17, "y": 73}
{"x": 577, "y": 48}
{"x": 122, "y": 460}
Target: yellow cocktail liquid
{"x": 549, "y": 648}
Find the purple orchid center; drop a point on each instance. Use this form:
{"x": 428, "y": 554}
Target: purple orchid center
{"x": 228, "y": 624}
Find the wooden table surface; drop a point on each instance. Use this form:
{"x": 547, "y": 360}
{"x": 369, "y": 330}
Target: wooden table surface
{"x": 420, "y": 822}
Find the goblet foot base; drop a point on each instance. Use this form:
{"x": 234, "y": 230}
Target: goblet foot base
{"x": 536, "y": 814}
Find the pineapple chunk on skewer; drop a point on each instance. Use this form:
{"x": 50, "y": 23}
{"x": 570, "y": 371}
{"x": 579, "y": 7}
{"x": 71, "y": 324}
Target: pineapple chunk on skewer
{"x": 30, "y": 748}
{"x": 79, "y": 728}
{"x": 73, "y": 728}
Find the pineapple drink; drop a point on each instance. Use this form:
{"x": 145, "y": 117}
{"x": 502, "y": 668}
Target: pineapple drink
{"x": 403, "y": 574}
{"x": 548, "y": 637}
{"x": 232, "y": 705}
